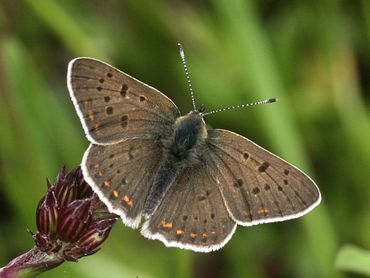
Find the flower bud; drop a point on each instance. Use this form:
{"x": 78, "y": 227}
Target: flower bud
{"x": 74, "y": 220}
{"x": 47, "y": 213}
{"x": 66, "y": 187}
{"x": 61, "y": 175}
{"x": 90, "y": 241}
{"x": 84, "y": 190}
{"x": 96, "y": 233}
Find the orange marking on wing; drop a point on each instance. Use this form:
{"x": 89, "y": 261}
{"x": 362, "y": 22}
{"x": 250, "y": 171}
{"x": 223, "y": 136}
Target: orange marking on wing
{"x": 96, "y": 129}
{"x": 106, "y": 183}
{"x": 115, "y": 193}
{"x": 180, "y": 232}
{"x": 205, "y": 234}
{"x": 263, "y": 210}
{"x": 167, "y": 225}
{"x": 193, "y": 235}
{"x": 91, "y": 116}
{"x": 100, "y": 173}
{"x": 127, "y": 200}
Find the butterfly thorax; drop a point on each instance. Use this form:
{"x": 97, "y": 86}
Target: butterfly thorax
{"x": 182, "y": 149}
{"x": 189, "y": 133}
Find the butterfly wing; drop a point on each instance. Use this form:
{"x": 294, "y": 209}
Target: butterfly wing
{"x": 121, "y": 174}
{"x": 192, "y": 214}
{"x": 114, "y": 106}
{"x": 257, "y": 186}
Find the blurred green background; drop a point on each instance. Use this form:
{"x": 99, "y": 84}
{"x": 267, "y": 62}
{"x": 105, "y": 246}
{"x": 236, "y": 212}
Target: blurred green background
{"x": 312, "y": 55}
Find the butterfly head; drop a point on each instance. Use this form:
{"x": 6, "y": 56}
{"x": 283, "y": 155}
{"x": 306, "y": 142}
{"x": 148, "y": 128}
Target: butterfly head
{"x": 192, "y": 122}
{"x": 201, "y": 109}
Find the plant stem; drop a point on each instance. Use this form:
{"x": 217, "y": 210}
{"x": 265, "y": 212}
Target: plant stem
{"x": 30, "y": 264}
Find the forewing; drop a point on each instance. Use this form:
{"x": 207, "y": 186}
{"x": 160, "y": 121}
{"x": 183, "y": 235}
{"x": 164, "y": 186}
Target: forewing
{"x": 257, "y": 186}
{"x": 192, "y": 214}
{"x": 121, "y": 174}
{"x": 114, "y": 106}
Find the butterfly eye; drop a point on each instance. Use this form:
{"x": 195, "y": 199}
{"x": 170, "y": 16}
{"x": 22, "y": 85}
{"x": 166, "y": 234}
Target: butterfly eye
{"x": 201, "y": 109}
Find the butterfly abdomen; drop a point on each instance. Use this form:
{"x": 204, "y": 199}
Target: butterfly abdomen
{"x": 165, "y": 177}
{"x": 180, "y": 150}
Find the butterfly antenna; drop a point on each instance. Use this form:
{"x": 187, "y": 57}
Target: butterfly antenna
{"x": 182, "y": 55}
{"x": 271, "y": 100}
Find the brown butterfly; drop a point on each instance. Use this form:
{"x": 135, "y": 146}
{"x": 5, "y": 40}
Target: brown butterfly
{"x": 187, "y": 185}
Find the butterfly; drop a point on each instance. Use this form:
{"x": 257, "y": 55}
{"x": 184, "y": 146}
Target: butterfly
{"x": 185, "y": 184}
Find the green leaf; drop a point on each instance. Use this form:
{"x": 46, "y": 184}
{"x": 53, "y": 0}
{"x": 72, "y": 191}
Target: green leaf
{"x": 353, "y": 259}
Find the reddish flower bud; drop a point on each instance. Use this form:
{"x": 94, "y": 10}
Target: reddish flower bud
{"x": 47, "y": 213}
{"x": 61, "y": 175}
{"x": 48, "y": 183}
{"x": 96, "y": 234}
{"x": 84, "y": 190}
{"x": 74, "y": 220}
{"x": 90, "y": 241}
{"x": 66, "y": 187}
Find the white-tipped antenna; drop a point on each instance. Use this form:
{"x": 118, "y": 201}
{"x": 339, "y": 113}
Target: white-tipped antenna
{"x": 182, "y": 55}
{"x": 271, "y": 100}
